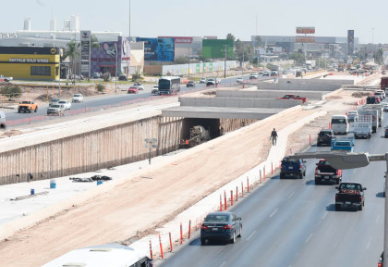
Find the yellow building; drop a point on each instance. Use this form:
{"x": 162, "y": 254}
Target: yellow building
{"x": 30, "y": 63}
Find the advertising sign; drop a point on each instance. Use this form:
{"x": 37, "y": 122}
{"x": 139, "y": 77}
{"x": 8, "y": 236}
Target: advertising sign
{"x": 210, "y": 37}
{"x": 217, "y": 48}
{"x": 305, "y": 39}
{"x": 180, "y": 39}
{"x": 350, "y": 42}
{"x": 85, "y": 52}
{"x": 305, "y": 30}
{"x": 158, "y": 49}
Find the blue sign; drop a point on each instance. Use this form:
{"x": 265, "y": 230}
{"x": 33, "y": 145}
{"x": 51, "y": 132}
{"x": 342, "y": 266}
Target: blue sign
{"x": 158, "y": 49}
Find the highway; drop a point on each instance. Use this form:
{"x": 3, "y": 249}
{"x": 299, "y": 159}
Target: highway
{"x": 293, "y": 223}
{"x": 95, "y": 103}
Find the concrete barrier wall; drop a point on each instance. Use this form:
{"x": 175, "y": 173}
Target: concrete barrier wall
{"x": 316, "y": 95}
{"x": 240, "y": 102}
{"x": 305, "y": 84}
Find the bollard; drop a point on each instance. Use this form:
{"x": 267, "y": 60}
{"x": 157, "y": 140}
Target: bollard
{"x": 247, "y": 184}
{"x": 231, "y": 197}
{"x": 220, "y": 202}
{"x": 181, "y": 234}
{"x": 32, "y": 191}
{"x": 99, "y": 182}
{"x": 225, "y": 202}
{"x": 151, "y": 256}
{"x": 169, "y": 234}
{"x": 161, "y": 247}
{"x": 242, "y": 189}
{"x": 236, "y": 193}
{"x": 53, "y": 184}
{"x": 189, "y": 229}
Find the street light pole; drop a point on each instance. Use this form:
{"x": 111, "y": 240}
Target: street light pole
{"x": 150, "y": 143}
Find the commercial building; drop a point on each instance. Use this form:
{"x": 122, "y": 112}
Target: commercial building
{"x": 30, "y": 63}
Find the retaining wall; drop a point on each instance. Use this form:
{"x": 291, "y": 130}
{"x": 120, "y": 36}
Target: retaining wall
{"x": 316, "y": 95}
{"x": 306, "y": 84}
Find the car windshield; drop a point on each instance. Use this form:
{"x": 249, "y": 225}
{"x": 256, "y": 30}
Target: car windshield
{"x": 62, "y": 102}
{"x": 77, "y": 95}
{"x": 55, "y": 106}
{"x": 217, "y": 218}
{"x": 26, "y": 102}
{"x": 54, "y": 100}
{"x": 324, "y": 133}
{"x": 291, "y": 161}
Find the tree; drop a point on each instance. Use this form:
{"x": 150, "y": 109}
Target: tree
{"x": 230, "y": 36}
{"x": 10, "y": 91}
{"x": 182, "y": 60}
{"x": 298, "y": 57}
{"x": 94, "y": 42}
{"x": 258, "y": 41}
{"x": 378, "y": 56}
{"x": 71, "y": 52}
{"x": 243, "y": 50}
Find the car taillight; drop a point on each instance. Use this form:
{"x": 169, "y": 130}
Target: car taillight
{"x": 316, "y": 171}
{"x": 300, "y": 167}
{"x": 380, "y": 264}
{"x": 360, "y": 198}
{"x": 227, "y": 227}
{"x": 336, "y": 197}
{"x": 204, "y": 227}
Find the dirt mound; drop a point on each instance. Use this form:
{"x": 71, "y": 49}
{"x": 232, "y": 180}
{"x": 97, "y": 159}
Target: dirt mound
{"x": 4, "y": 134}
{"x": 360, "y": 94}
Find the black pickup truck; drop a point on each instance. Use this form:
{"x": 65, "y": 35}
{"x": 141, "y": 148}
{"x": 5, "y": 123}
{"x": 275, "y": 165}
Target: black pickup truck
{"x": 350, "y": 195}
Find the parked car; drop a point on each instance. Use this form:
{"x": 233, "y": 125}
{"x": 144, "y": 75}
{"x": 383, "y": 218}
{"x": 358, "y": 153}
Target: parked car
{"x": 292, "y": 167}
{"x": 56, "y": 109}
{"x": 352, "y": 115}
{"x": 65, "y": 103}
{"x": 139, "y": 86}
{"x": 133, "y": 90}
{"x": 239, "y": 80}
{"x": 77, "y": 98}
{"x": 155, "y": 90}
{"x": 324, "y": 137}
{"x": 203, "y": 80}
{"x": 53, "y": 101}
{"x": 123, "y": 78}
{"x": 221, "y": 226}
{"x": 190, "y": 84}
{"x": 350, "y": 195}
{"x": 324, "y": 172}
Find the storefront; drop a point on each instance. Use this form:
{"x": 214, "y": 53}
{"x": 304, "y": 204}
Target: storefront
{"x": 30, "y": 63}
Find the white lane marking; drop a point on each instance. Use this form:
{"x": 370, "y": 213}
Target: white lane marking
{"x": 291, "y": 195}
{"x": 223, "y": 264}
{"x": 251, "y": 235}
{"x": 369, "y": 242}
{"x": 377, "y": 218}
{"x": 273, "y": 213}
{"x": 324, "y": 215}
{"x": 308, "y": 238}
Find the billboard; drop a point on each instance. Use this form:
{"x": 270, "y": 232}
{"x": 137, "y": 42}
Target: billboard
{"x": 212, "y": 48}
{"x": 158, "y": 49}
{"x": 85, "y": 53}
{"x": 179, "y": 39}
{"x": 305, "y": 30}
{"x": 350, "y": 42}
{"x": 305, "y": 39}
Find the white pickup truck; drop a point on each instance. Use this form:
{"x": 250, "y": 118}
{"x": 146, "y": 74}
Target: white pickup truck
{"x": 5, "y": 79}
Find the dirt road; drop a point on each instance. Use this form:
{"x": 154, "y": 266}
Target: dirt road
{"x": 138, "y": 206}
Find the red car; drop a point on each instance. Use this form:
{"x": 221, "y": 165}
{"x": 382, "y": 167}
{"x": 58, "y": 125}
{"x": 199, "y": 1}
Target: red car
{"x": 296, "y": 97}
{"x": 133, "y": 90}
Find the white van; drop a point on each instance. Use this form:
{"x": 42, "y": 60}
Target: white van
{"x": 110, "y": 255}
{"x": 340, "y": 124}
{"x": 2, "y": 120}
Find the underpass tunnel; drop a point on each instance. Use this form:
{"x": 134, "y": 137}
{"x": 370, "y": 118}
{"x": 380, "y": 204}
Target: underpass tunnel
{"x": 212, "y": 125}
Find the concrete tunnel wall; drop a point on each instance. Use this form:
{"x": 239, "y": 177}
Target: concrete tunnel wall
{"x": 238, "y": 102}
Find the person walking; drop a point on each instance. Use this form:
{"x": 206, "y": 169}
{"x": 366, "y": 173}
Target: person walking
{"x": 274, "y": 136}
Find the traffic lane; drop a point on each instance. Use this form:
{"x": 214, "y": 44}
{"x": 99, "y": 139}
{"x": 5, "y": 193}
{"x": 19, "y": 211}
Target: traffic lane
{"x": 282, "y": 219}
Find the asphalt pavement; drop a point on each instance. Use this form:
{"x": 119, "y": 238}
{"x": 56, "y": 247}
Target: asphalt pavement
{"x": 293, "y": 223}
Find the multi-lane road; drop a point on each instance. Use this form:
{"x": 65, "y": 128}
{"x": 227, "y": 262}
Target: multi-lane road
{"x": 293, "y": 223}
{"x": 93, "y": 103}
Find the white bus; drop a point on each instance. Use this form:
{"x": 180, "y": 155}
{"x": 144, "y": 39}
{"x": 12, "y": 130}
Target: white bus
{"x": 169, "y": 85}
{"x": 112, "y": 255}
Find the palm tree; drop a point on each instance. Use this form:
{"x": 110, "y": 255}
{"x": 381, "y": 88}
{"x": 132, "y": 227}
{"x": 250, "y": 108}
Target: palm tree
{"x": 94, "y": 41}
{"x": 71, "y": 52}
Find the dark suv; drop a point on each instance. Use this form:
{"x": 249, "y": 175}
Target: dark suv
{"x": 293, "y": 167}
{"x": 324, "y": 137}
{"x": 373, "y": 99}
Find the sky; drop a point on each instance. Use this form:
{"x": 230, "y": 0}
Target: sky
{"x": 242, "y": 18}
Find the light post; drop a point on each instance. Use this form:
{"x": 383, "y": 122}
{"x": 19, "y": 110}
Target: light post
{"x": 343, "y": 160}
{"x": 150, "y": 142}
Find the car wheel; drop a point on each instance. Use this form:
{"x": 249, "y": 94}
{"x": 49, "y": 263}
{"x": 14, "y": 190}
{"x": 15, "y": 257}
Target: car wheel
{"x": 281, "y": 176}
{"x": 203, "y": 241}
{"x": 36, "y": 109}
{"x": 240, "y": 234}
{"x": 304, "y": 173}
{"x": 317, "y": 181}
{"x": 301, "y": 175}
{"x": 233, "y": 240}
{"x": 360, "y": 207}
{"x": 337, "y": 206}
{"x": 19, "y": 110}
{"x": 338, "y": 181}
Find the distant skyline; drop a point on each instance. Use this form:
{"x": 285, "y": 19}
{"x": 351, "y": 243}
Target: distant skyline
{"x": 242, "y": 18}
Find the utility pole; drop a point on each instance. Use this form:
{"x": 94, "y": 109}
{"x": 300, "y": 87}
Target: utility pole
{"x": 226, "y": 52}
{"x": 242, "y": 65}
{"x": 129, "y": 20}
{"x": 150, "y": 143}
